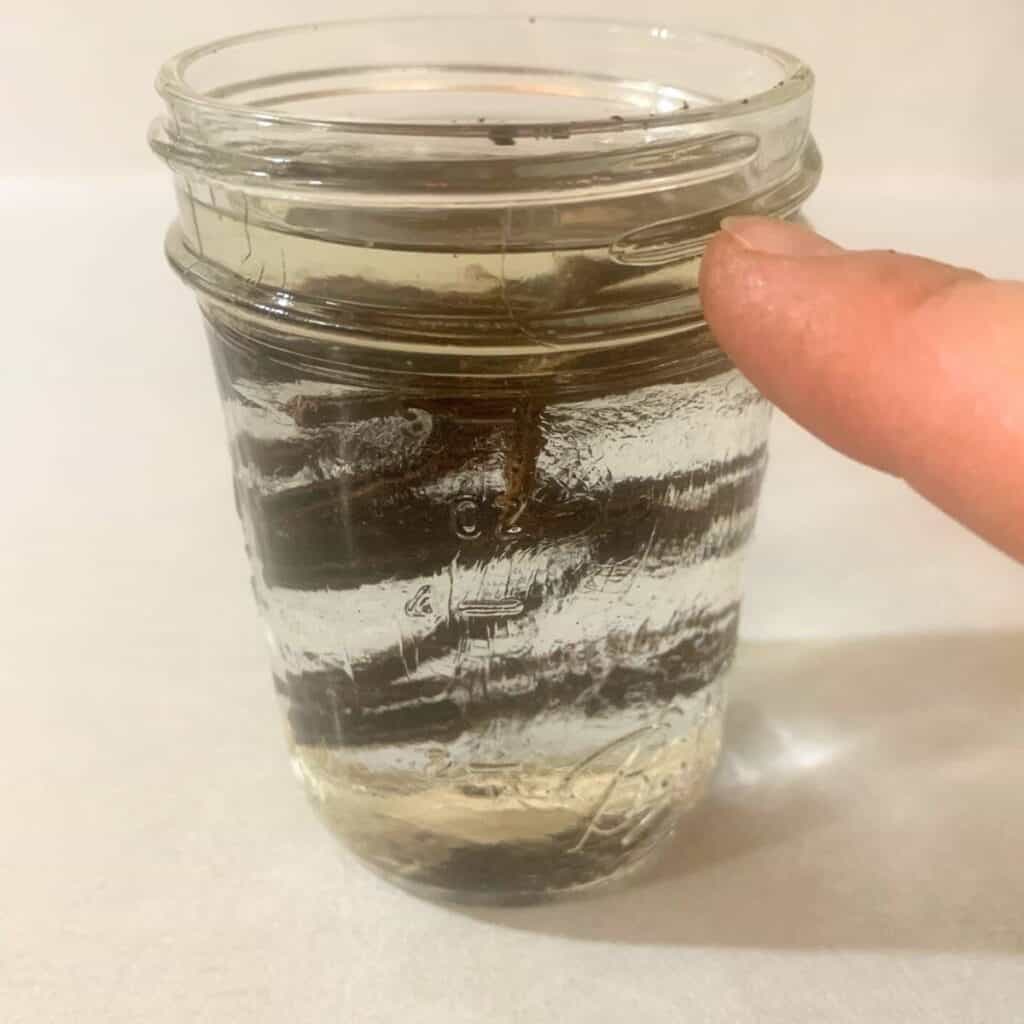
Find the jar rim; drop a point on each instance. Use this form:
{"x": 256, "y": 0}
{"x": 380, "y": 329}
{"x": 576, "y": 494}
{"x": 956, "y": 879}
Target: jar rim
{"x": 287, "y": 212}
{"x": 174, "y": 83}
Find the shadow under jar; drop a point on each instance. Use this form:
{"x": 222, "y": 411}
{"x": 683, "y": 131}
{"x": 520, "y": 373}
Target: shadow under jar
{"x": 494, "y": 474}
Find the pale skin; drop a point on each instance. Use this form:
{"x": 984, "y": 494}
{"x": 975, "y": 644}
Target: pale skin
{"x": 913, "y": 367}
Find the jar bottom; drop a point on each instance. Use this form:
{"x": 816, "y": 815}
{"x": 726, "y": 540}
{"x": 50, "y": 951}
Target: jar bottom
{"x": 587, "y": 884}
{"x": 520, "y": 832}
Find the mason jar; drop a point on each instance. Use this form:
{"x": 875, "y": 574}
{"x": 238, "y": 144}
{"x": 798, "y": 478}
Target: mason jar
{"x": 495, "y": 477}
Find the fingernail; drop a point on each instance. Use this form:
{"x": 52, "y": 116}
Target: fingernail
{"x": 776, "y": 237}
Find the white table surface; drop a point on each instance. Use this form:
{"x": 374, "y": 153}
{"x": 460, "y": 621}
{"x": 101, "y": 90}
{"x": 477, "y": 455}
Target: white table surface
{"x": 861, "y": 857}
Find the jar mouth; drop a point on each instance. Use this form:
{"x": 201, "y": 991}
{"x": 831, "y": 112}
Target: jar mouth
{"x": 476, "y": 183}
{"x": 540, "y": 78}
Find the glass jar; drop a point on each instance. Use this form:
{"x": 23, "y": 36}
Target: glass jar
{"x": 494, "y": 474}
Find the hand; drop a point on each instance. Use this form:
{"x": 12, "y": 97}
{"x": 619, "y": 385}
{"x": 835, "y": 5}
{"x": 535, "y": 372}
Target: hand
{"x": 913, "y": 367}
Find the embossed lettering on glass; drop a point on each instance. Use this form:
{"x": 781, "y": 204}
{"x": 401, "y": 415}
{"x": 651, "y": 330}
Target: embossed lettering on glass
{"x": 495, "y": 477}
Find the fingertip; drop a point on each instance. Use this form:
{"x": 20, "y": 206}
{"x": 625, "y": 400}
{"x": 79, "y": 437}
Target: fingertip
{"x": 746, "y": 250}
{"x": 723, "y": 274}
{"x": 771, "y": 236}
{"x": 733, "y": 288}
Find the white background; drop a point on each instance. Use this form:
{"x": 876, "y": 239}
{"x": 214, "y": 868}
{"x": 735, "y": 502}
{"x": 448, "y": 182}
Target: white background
{"x": 859, "y": 858}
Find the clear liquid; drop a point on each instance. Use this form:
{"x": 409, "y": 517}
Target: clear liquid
{"x": 499, "y": 623}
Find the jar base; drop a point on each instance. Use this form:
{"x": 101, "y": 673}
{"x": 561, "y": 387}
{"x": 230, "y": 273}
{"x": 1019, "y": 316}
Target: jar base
{"x": 515, "y": 833}
{"x": 507, "y": 894}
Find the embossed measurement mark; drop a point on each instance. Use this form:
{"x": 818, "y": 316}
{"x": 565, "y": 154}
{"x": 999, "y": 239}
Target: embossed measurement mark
{"x": 466, "y": 518}
{"x": 501, "y": 608}
{"x": 419, "y": 606}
